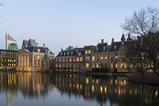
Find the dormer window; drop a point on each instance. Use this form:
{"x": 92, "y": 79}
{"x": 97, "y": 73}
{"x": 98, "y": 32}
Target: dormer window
{"x": 104, "y": 48}
{"x": 71, "y": 53}
{"x": 38, "y": 50}
{"x": 115, "y": 47}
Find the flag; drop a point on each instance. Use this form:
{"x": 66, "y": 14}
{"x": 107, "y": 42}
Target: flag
{"x": 11, "y": 43}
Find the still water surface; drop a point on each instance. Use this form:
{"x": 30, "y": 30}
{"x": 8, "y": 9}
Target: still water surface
{"x": 27, "y": 89}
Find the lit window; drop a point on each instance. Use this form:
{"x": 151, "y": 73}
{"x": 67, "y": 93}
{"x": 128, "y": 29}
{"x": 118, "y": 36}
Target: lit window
{"x": 101, "y": 58}
{"x": 106, "y": 58}
{"x": 70, "y": 60}
{"x": 77, "y": 59}
{"x": 97, "y": 65}
{"x": 79, "y": 54}
{"x": 92, "y": 88}
{"x": 93, "y": 58}
{"x": 80, "y": 58}
{"x": 101, "y": 89}
{"x": 116, "y": 57}
{"x": 93, "y": 66}
{"x": 89, "y": 51}
{"x": 111, "y": 65}
{"x": 87, "y": 65}
{"x": 87, "y": 80}
{"x": 125, "y": 65}
{"x": 86, "y": 52}
{"x": 116, "y": 65}
{"x": 38, "y": 57}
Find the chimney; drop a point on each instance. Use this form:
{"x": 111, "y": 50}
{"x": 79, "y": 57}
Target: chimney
{"x": 112, "y": 40}
{"x": 44, "y": 45}
{"x": 102, "y": 40}
{"x": 61, "y": 49}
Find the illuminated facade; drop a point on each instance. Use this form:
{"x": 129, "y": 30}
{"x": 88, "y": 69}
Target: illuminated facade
{"x": 33, "y": 60}
{"x": 8, "y": 59}
{"x": 113, "y": 57}
{"x": 33, "y": 57}
{"x": 89, "y": 56}
{"x": 69, "y": 60}
{"x": 104, "y": 57}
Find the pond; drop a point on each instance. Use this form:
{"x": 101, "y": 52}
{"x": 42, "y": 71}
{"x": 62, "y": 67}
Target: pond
{"x": 37, "y": 89}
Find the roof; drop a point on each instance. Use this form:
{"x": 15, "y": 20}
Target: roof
{"x": 89, "y": 47}
{"x": 25, "y": 50}
{"x": 33, "y": 42}
{"x": 69, "y": 48}
{"x": 8, "y": 50}
{"x": 67, "y": 53}
{"x": 29, "y": 43}
{"x": 102, "y": 47}
{"x": 36, "y": 49}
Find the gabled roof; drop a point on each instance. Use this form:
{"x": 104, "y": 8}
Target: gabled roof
{"x": 36, "y": 49}
{"x": 32, "y": 42}
{"x": 102, "y": 47}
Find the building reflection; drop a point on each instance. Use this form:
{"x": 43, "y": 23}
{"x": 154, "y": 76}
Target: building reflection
{"x": 30, "y": 85}
{"x": 112, "y": 90}
{"x": 104, "y": 90}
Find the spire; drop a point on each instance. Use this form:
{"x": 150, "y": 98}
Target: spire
{"x": 102, "y": 41}
{"x": 129, "y": 37}
{"x": 123, "y": 37}
{"x": 112, "y": 40}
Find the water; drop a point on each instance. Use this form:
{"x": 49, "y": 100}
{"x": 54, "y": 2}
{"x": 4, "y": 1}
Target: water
{"x": 27, "y": 89}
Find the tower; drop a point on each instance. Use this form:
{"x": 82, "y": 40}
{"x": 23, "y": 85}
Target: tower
{"x": 122, "y": 39}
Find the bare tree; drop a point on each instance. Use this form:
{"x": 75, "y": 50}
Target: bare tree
{"x": 146, "y": 24}
{"x": 143, "y": 22}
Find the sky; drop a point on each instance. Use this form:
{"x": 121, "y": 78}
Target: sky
{"x": 60, "y": 23}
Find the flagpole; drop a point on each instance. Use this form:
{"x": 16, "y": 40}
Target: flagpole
{"x": 6, "y": 40}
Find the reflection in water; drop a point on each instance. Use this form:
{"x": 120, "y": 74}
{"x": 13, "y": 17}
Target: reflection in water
{"x": 112, "y": 90}
{"x": 28, "y": 84}
{"x": 107, "y": 91}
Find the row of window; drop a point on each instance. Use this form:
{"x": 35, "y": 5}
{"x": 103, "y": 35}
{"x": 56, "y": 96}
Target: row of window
{"x": 65, "y": 66}
{"x": 29, "y": 63}
{"x": 66, "y": 53}
{"x": 87, "y": 51}
{"x": 7, "y": 60}
{"x": 71, "y": 59}
{"x": 67, "y": 70}
{"x": 88, "y": 58}
{"x": 7, "y": 65}
{"x": 97, "y": 65}
{"x": 8, "y": 53}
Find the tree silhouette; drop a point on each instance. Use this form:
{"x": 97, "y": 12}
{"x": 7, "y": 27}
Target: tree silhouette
{"x": 143, "y": 22}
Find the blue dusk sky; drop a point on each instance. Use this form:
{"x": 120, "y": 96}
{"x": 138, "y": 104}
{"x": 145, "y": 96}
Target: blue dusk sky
{"x": 60, "y": 23}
